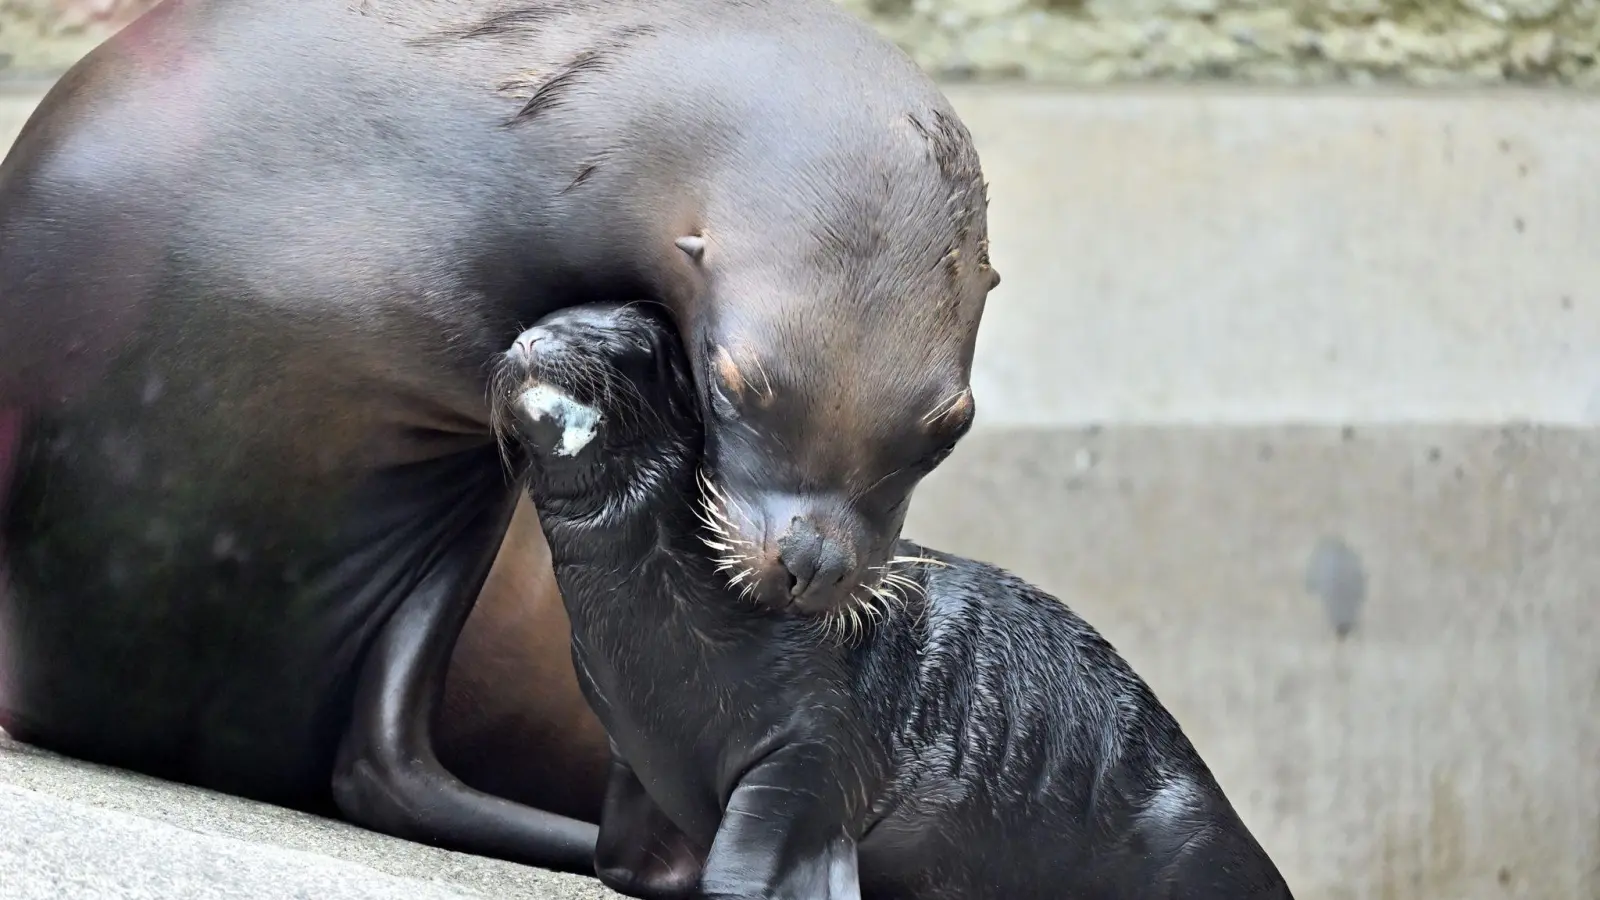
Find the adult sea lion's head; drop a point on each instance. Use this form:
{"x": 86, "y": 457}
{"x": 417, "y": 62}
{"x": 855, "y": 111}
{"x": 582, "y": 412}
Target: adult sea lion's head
{"x": 840, "y": 285}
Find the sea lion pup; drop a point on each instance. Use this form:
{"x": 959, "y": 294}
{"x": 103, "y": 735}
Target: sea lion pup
{"x": 973, "y": 739}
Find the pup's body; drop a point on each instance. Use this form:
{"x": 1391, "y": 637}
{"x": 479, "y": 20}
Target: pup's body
{"x": 980, "y": 742}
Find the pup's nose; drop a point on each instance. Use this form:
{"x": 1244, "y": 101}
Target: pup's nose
{"x": 815, "y": 565}
{"x": 522, "y": 349}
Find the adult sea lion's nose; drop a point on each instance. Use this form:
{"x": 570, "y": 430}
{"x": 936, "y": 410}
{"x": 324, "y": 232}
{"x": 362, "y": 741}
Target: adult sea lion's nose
{"x": 802, "y": 551}
{"x": 816, "y": 566}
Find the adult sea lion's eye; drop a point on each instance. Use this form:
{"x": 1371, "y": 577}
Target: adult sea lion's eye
{"x": 721, "y": 405}
{"x": 939, "y": 454}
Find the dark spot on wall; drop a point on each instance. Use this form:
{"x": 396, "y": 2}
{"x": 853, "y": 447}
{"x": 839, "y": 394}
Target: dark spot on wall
{"x": 1434, "y": 454}
{"x": 1347, "y": 433}
{"x": 1519, "y": 225}
{"x": 1335, "y": 576}
{"x": 1566, "y": 302}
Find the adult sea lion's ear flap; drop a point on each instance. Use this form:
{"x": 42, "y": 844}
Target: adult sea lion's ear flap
{"x": 692, "y": 244}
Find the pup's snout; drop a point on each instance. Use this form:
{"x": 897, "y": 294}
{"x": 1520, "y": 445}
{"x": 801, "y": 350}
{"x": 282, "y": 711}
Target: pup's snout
{"x": 525, "y": 348}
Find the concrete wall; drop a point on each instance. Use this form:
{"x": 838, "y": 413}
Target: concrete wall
{"x": 1422, "y": 42}
{"x": 1297, "y": 397}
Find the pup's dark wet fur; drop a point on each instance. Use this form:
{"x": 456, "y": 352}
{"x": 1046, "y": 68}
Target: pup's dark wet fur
{"x": 980, "y": 741}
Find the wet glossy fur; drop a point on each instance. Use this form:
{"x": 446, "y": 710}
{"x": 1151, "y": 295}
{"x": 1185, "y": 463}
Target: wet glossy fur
{"x": 981, "y": 742}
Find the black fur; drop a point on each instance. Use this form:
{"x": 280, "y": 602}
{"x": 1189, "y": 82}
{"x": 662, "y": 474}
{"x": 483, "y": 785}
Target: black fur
{"x": 982, "y": 741}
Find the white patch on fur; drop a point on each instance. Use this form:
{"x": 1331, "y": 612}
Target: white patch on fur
{"x": 1174, "y": 800}
{"x": 578, "y": 422}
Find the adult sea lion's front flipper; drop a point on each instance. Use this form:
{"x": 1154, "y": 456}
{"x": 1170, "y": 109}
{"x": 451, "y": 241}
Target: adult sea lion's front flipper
{"x": 387, "y": 776}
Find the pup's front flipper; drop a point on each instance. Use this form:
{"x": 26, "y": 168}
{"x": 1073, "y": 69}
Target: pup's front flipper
{"x": 783, "y": 834}
{"x": 640, "y": 852}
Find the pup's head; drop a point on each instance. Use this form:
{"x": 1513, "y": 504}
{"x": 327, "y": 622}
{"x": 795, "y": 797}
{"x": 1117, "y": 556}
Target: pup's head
{"x": 590, "y": 390}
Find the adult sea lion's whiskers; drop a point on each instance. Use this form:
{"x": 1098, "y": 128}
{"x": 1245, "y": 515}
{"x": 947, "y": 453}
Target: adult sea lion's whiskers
{"x": 945, "y": 406}
{"x": 733, "y": 553}
{"x": 843, "y": 625}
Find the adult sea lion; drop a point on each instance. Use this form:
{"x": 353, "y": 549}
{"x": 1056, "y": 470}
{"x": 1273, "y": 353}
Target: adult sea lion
{"x": 972, "y": 738}
{"x": 255, "y": 259}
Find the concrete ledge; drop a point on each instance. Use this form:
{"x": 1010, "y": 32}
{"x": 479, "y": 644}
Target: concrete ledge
{"x": 76, "y": 831}
{"x": 56, "y": 849}
{"x": 1382, "y": 640}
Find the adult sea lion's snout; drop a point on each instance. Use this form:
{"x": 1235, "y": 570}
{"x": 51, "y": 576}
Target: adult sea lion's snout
{"x": 816, "y": 435}
{"x": 823, "y": 554}
{"x": 812, "y": 551}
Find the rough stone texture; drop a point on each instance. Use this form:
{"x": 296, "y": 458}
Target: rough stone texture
{"x": 45, "y": 36}
{"x": 1422, "y": 42}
